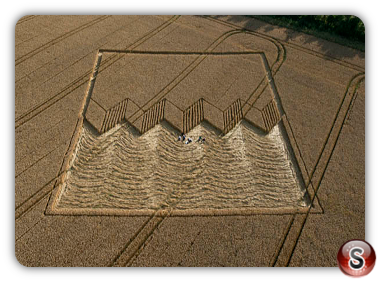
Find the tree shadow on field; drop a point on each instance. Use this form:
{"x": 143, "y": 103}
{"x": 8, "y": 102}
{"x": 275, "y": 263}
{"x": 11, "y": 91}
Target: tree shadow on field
{"x": 326, "y": 48}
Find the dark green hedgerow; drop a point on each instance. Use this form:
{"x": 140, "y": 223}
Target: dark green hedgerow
{"x": 345, "y": 30}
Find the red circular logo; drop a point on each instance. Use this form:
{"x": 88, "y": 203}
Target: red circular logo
{"x": 356, "y": 258}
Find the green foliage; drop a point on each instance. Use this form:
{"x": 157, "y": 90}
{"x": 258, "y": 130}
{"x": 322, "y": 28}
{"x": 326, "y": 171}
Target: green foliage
{"x": 349, "y": 27}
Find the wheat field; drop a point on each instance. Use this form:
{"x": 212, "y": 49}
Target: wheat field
{"x": 122, "y": 169}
